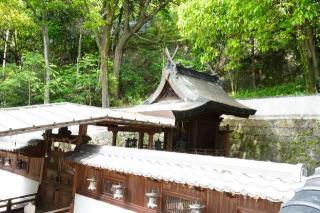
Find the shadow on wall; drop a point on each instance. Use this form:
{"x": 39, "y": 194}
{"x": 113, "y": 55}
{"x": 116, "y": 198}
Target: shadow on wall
{"x": 286, "y": 140}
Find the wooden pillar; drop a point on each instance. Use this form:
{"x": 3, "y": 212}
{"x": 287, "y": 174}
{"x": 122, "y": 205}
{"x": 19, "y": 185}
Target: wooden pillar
{"x": 82, "y": 133}
{"x": 75, "y": 181}
{"x": 150, "y": 142}
{"x": 114, "y": 137}
{"x": 47, "y": 142}
{"x": 140, "y": 143}
{"x": 169, "y": 140}
{"x": 83, "y": 129}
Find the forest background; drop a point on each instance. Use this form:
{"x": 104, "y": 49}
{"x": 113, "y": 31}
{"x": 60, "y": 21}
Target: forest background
{"x": 111, "y": 52}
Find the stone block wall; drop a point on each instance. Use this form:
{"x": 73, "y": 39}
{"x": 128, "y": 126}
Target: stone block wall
{"x": 278, "y": 140}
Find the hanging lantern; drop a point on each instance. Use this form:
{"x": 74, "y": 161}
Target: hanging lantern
{"x": 153, "y": 199}
{"x": 92, "y": 184}
{"x": 196, "y": 208}
{"x": 118, "y": 191}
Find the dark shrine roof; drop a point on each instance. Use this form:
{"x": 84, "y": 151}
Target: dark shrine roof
{"x": 183, "y": 90}
{"x": 306, "y": 199}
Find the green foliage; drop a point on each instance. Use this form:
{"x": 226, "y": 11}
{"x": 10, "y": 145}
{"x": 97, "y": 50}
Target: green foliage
{"x": 293, "y": 88}
{"x": 22, "y": 86}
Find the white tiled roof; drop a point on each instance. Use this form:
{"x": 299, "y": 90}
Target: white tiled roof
{"x": 273, "y": 181}
{"x": 48, "y": 116}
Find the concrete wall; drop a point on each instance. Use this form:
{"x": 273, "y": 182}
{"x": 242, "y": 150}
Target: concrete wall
{"x": 280, "y": 140}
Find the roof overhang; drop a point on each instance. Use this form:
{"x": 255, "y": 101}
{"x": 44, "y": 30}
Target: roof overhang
{"x": 49, "y": 116}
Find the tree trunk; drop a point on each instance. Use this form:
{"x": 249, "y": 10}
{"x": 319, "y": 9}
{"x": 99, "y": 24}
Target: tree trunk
{"x": 29, "y": 92}
{"x": 253, "y": 65}
{"x": 79, "y": 51}
{"x": 5, "y": 49}
{"x": 313, "y": 52}
{"x": 233, "y": 90}
{"x": 117, "y": 60}
{"x": 17, "y": 55}
{"x": 309, "y": 58}
{"x": 103, "y": 42}
{"x": 46, "y": 60}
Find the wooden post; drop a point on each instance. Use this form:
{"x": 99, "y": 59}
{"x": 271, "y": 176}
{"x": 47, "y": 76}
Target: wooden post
{"x": 114, "y": 137}
{"x": 82, "y": 133}
{"x": 46, "y": 138}
{"x": 75, "y": 181}
{"x": 165, "y": 140}
{"x": 9, "y": 205}
{"x": 169, "y": 140}
{"x": 140, "y": 143}
{"x": 150, "y": 143}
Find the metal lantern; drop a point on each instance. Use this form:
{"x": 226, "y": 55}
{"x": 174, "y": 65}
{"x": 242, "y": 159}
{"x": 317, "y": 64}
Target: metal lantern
{"x": 153, "y": 199}
{"x": 7, "y": 161}
{"x": 118, "y": 191}
{"x": 92, "y": 184}
{"x": 196, "y": 208}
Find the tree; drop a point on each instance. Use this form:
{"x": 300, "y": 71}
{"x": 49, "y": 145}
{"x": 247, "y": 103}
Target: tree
{"x": 135, "y": 15}
{"x": 304, "y": 19}
{"x": 40, "y": 10}
{"x": 14, "y": 18}
{"x": 100, "y": 17}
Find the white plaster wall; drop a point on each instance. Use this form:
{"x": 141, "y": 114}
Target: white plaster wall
{"x": 83, "y": 204}
{"x": 13, "y": 185}
{"x": 285, "y": 107}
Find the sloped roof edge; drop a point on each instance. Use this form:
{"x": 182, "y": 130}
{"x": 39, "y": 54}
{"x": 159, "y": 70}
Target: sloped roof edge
{"x": 190, "y": 85}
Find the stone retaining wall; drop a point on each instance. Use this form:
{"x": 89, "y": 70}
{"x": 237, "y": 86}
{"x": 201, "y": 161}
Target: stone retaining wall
{"x": 278, "y": 140}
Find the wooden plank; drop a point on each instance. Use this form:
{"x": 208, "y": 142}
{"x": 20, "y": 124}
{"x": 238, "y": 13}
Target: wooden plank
{"x": 136, "y": 190}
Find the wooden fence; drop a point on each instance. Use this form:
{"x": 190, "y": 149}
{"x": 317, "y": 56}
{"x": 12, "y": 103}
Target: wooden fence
{"x": 15, "y": 203}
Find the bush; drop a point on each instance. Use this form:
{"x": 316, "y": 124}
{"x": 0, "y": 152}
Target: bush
{"x": 293, "y": 88}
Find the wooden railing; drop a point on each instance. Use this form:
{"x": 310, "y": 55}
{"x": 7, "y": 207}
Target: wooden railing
{"x": 62, "y": 210}
{"x": 16, "y": 203}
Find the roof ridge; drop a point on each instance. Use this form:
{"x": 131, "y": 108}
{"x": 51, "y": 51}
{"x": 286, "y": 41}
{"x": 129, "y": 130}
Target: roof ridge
{"x": 196, "y": 74}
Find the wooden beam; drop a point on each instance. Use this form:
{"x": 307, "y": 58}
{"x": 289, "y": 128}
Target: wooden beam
{"x": 134, "y": 129}
{"x": 140, "y": 143}
{"x": 114, "y": 137}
